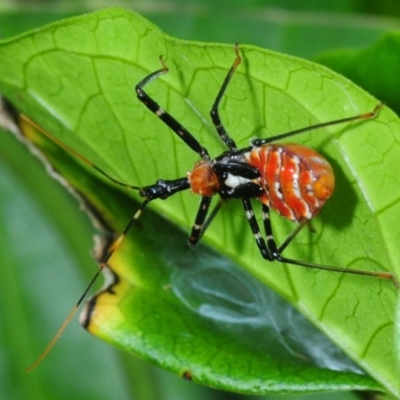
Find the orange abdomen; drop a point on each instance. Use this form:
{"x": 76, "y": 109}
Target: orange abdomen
{"x": 297, "y": 181}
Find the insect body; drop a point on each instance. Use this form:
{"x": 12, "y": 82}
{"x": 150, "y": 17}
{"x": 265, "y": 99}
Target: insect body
{"x": 291, "y": 179}
{"x": 298, "y": 180}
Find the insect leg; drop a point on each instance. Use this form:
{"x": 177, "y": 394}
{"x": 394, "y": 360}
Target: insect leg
{"x": 375, "y": 274}
{"x": 268, "y": 231}
{"x": 369, "y": 115}
{"x": 275, "y": 253}
{"x": 223, "y": 134}
{"x": 168, "y": 119}
{"x": 197, "y": 229}
{"x": 293, "y": 234}
{"x": 264, "y": 250}
{"x": 202, "y": 222}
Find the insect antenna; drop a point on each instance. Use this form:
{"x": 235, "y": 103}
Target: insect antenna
{"x": 114, "y": 246}
{"x": 27, "y": 120}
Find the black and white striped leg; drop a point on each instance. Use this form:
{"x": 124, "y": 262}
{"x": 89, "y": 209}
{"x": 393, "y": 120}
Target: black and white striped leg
{"x": 223, "y": 134}
{"x": 211, "y": 216}
{"x": 198, "y": 227}
{"x": 274, "y": 253}
{"x": 271, "y": 244}
{"x": 270, "y": 252}
{"x": 197, "y": 233}
{"x": 248, "y": 208}
{"x": 168, "y": 119}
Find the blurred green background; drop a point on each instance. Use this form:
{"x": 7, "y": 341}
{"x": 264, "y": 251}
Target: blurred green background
{"x": 44, "y": 253}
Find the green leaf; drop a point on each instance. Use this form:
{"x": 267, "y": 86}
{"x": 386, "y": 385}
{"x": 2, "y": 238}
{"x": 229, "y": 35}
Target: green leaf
{"x": 38, "y": 280}
{"x": 76, "y": 78}
{"x": 190, "y": 307}
{"x": 373, "y": 68}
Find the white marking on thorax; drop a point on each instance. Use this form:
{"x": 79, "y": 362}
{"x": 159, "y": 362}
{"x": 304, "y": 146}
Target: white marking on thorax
{"x": 233, "y": 181}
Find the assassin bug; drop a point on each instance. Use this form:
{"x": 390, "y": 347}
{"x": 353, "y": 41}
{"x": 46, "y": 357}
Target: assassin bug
{"x": 292, "y": 179}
